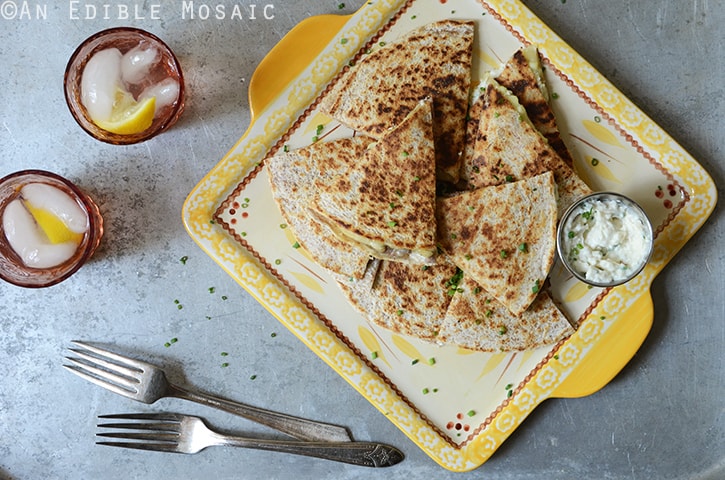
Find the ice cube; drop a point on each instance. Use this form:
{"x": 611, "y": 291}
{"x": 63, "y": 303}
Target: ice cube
{"x": 166, "y": 93}
{"x": 137, "y": 63}
{"x": 101, "y": 77}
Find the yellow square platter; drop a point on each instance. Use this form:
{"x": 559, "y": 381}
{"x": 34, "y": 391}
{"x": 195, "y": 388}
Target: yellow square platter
{"x": 456, "y": 405}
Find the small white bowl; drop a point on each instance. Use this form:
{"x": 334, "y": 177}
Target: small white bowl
{"x": 610, "y": 240}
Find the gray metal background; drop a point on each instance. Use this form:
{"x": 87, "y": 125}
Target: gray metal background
{"x": 661, "y": 418}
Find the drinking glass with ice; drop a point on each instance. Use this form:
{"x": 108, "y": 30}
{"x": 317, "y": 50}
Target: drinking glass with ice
{"x": 48, "y": 228}
{"x": 124, "y": 85}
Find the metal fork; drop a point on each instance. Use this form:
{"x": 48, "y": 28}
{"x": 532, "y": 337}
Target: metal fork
{"x": 174, "y": 432}
{"x": 147, "y": 383}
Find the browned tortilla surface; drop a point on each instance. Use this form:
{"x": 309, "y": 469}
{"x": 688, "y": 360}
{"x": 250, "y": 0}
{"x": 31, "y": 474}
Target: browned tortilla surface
{"x": 292, "y": 175}
{"x": 387, "y": 195}
{"x": 380, "y": 91}
{"x": 503, "y": 237}
{"x": 477, "y": 321}
{"x": 519, "y": 77}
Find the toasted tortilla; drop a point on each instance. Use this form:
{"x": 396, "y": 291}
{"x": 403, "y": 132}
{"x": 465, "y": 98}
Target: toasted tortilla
{"x": 503, "y": 237}
{"x": 508, "y": 147}
{"x": 291, "y": 176}
{"x": 477, "y": 321}
{"x": 384, "y": 203}
{"x": 380, "y": 90}
{"x": 524, "y": 77}
{"x": 403, "y": 298}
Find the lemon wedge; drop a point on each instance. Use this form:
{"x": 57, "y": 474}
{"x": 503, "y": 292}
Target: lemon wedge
{"x": 53, "y": 227}
{"x": 128, "y": 116}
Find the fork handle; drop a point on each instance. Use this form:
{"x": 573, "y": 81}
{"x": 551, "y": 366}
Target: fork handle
{"x": 296, "y": 427}
{"x": 366, "y": 454}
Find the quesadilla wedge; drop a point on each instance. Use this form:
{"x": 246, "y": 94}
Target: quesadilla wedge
{"x": 291, "y": 176}
{"x": 503, "y": 237}
{"x": 404, "y": 298}
{"x": 380, "y": 90}
{"x": 477, "y": 321}
{"x": 384, "y": 204}
{"x": 524, "y": 77}
{"x": 508, "y": 147}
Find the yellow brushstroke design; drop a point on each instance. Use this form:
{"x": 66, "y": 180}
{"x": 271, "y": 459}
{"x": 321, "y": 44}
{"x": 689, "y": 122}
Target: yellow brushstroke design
{"x": 309, "y": 282}
{"x": 601, "y": 133}
{"x": 492, "y": 363}
{"x": 315, "y": 121}
{"x": 406, "y": 347}
{"x": 525, "y": 356}
{"x": 576, "y": 292}
{"x": 371, "y": 342}
{"x": 488, "y": 59}
{"x": 293, "y": 240}
{"x": 600, "y": 169}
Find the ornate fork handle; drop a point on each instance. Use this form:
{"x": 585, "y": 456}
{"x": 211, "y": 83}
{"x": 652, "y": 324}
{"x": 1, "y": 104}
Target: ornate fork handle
{"x": 366, "y": 454}
{"x": 300, "y": 428}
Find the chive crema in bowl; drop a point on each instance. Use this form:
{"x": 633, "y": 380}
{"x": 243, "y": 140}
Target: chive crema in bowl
{"x": 605, "y": 239}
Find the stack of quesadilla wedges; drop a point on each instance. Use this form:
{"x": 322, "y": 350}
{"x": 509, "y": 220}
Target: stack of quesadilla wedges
{"x": 477, "y": 321}
{"x": 467, "y": 269}
{"x": 403, "y": 298}
{"x": 503, "y": 236}
{"x": 385, "y": 204}
{"x": 431, "y": 61}
{"x": 291, "y": 174}
{"x": 524, "y": 77}
{"x": 507, "y": 147}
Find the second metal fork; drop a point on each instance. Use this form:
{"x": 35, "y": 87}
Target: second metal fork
{"x": 145, "y": 382}
{"x": 173, "y": 432}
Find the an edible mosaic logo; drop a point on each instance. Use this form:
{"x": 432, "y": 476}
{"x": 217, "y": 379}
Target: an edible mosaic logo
{"x": 186, "y": 10}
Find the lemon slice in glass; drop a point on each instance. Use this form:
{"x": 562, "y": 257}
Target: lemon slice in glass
{"x": 128, "y": 116}
{"x": 53, "y": 227}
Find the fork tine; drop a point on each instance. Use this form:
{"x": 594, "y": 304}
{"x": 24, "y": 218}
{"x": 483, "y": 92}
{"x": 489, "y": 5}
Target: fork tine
{"x": 151, "y": 431}
{"x": 112, "y": 355}
{"x": 130, "y": 372}
{"x": 101, "y": 382}
{"x": 156, "y": 447}
{"x": 170, "y": 417}
{"x": 162, "y": 427}
{"x": 129, "y": 381}
{"x": 146, "y": 436}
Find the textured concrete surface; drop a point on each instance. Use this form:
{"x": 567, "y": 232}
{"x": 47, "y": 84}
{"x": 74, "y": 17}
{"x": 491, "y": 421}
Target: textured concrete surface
{"x": 661, "y": 418}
